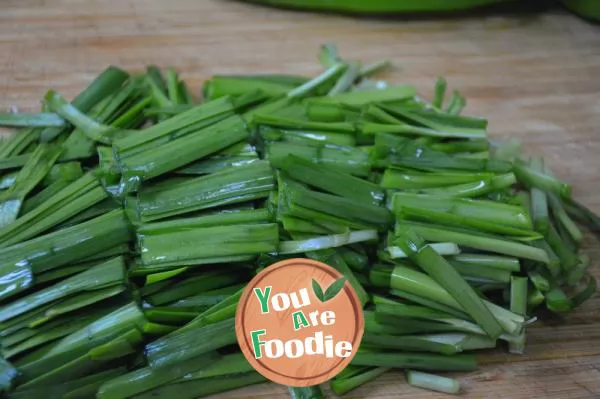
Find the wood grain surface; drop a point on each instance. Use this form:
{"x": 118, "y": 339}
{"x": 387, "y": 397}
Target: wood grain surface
{"x": 536, "y": 77}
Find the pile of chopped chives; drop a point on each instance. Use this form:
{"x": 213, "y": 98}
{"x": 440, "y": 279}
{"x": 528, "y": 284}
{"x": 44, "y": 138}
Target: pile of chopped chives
{"x": 132, "y": 217}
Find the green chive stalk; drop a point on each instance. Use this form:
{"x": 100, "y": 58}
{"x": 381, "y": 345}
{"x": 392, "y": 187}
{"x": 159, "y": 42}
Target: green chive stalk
{"x": 432, "y": 382}
{"x": 450, "y": 279}
{"x": 228, "y": 186}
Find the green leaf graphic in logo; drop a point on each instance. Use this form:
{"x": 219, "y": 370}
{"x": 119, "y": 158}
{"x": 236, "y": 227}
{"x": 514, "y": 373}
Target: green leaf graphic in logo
{"x": 330, "y": 292}
{"x": 317, "y": 290}
{"x": 334, "y": 289}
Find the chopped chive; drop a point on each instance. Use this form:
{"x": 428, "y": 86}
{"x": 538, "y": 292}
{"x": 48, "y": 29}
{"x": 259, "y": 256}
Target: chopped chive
{"x": 101, "y": 276}
{"x": 400, "y": 179}
{"x": 203, "y": 387}
{"x": 228, "y": 186}
{"x": 432, "y": 382}
{"x": 409, "y": 343}
{"x": 59, "y": 248}
{"x": 73, "y": 199}
{"x": 322, "y": 242}
{"x": 439, "y": 92}
{"x": 518, "y": 305}
{"x": 478, "y": 272}
{"x": 473, "y": 189}
{"x": 325, "y": 78}
{"x": 346, "y": 80}
{"x": 578, "y": 272}
{"x": 564, "y": 220}
{"x": 534, "y": 298}
{"x": 193, "y": 117}
{"x": 535, "y": 178}
{"x": 539, "y": 200}
{"x": 408, "y": 281}
{"x": 459, "y": 221}
{"x": 105, "y": 84}
{"x": 495, "y": 261}
{"x": 32, "y": 173}
{"x": 409, "y": 130}
{"x": 343, "y": 385}
{"x": 313, "y": 392}
{"x": 375, "y": 67}
{"x": 337, "y": 158}
{"x": 583, "y": 214}
{"x": 179, "y": 248}
{"x": 328, "y": 54}
{"x": 173, "y": 86}
{"x": 457, "y": 103}
{"x": 588, "y": 292}
{"x": 331, "y": 181}
{"x": 177, "y": 347}
{"x": 485, "y": 243}
{"x": 30, "y": 120}
{"x": 450, "y": 279}
{"x": 18, "y": 142}
{"x": 557, "y": 300}
{"x": 539, "y": 281}
{"x": 443, "y": 248}
{"x": 390, "y": 94}
{"x": 147, "y": 378}
{"x": 419, "y": 361}
{"x": 568, "y": 259}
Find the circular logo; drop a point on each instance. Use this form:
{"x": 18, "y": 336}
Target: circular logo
{"x": 299, "y": 322}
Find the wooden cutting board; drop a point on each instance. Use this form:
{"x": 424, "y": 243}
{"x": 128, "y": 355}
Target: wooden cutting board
{"x": 535, "y": 77}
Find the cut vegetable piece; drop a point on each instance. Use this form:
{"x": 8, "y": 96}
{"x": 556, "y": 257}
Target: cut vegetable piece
{"x": 459, "y": 221}
{"x": 328, "y": 180}
{"x": 494, "y": 212}
{"x": 181, "y": 247}
{"x": 66, "y": 203}
{"x": 146, "y": 379}
{"x": 313, "y": 392}
{"x": 400, "y": 179}
{"x": 443, "y": 248}
{"x": 467, "y": 239}
{"x": 59, "y": 248}
{"x": 419, "y": 285}
{"x": 341, "y": 159}
{"x": 17, "y": 143}
{"x": 535, "y": 178}
{"x": 228, "y": 186}
{"x": 495, "y": 261}
{"x": 177, "y": 347}
{"x": 539, "y": 200}
{"x": 418, "y": 361}
{"x": 22, "y": 119}
{"x": 518, "y": 305}
{"x": 177, "y": 153}
{"x": 322, "y": 242}
{"x": 294, "y": 200}
{"x": 432, "y": 382}
{"x": 29, "y": 176}
{"x": 390, "y": 94}
{"x": 450, "y": 279}
{"x": 203, "y": 387}
{"x": 473, "y": 189}
{"x": 105, "y": 84}
{"x": 101, "y": 276}
{"x": 326, "y": 78}
{"x": 408, "y": 343}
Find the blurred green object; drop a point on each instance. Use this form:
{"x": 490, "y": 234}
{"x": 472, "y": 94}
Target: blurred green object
{"x": 381, "y": 6}
{"x": 589, "y": 9}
